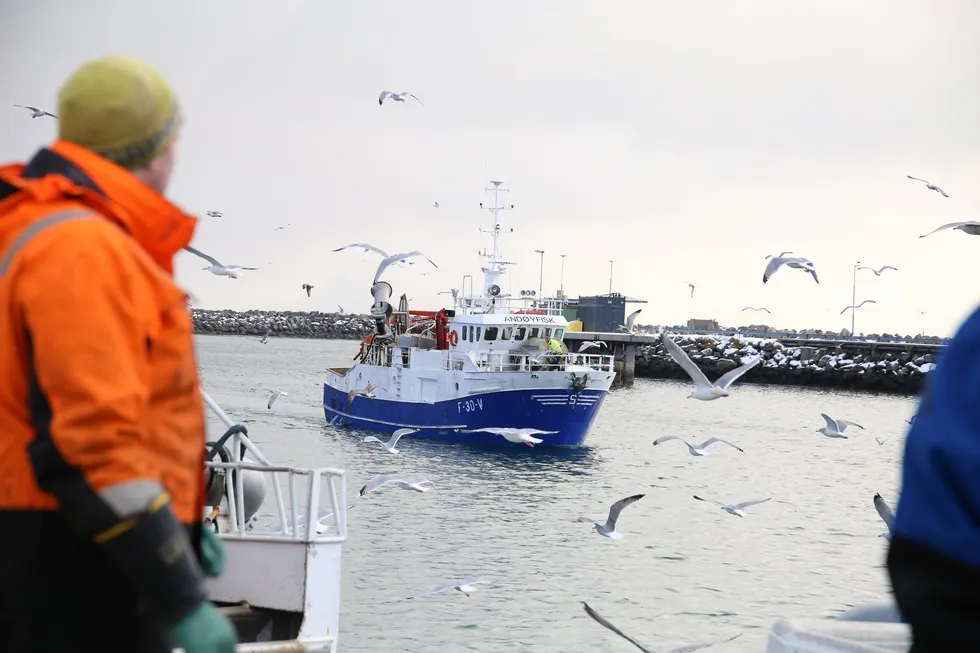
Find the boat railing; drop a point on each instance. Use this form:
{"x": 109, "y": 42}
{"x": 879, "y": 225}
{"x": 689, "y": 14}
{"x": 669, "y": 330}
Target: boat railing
{"x": 288, "y": 516}
{"x": 507, "y": 361}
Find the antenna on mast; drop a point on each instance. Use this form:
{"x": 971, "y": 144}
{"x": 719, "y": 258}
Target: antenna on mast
{"x": 493, "y": 273}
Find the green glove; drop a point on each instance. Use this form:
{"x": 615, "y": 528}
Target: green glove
{"x": 212, "y": 553}
{"x": 205, "y": 630}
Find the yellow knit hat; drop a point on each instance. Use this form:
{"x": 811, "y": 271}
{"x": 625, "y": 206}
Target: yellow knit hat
{"x": 120, "y": 108}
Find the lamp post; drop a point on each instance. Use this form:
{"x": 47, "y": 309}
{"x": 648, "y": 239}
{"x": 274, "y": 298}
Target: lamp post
{"x": 610, "y": 275}
{"x": 540, "y": 275}
{"x": 922, "y": 314}
{"x": 854, "y": 282}
{"x": 561, "y": 282}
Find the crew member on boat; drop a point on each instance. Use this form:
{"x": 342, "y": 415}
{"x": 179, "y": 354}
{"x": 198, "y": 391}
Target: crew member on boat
{"x": 102, "y": 439}
{"x": 934, "y": 556}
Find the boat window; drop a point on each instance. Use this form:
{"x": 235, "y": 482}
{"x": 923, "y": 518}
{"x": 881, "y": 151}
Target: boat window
{"x": 534, "y": 332}
{"x": 558, "y": 333}
{"x": 507, "y": 333}
{"x": 547, "y": 333}
{"x": 521, "y": 333}
{"x": 469, "y": 334}
{"x": 477, "y": 334}
{"x": 490, "y": 333}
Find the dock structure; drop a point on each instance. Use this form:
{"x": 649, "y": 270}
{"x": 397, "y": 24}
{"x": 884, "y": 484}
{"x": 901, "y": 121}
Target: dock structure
{"x": 623, "y": 346}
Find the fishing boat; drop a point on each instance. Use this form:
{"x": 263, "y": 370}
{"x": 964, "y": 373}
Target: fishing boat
{"x": 281, "y": 583}
{"x": 487, "y": 362}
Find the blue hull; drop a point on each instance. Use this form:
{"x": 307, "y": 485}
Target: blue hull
{"x": 569, "y": 412}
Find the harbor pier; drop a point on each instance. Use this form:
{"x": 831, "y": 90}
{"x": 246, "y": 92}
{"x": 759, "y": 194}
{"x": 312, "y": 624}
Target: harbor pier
{"x": 887, "y": 365}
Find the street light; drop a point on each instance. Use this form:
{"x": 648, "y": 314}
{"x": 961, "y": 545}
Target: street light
{"x": 922, "y": 314}
{"x": 561, "y": 282}
{"x": 610, "y": 275}
{"x": 854, "y": 285}
{"x": 540, "y": 275}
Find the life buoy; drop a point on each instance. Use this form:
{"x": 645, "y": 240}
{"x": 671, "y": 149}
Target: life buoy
{"x": 453, "y": 338}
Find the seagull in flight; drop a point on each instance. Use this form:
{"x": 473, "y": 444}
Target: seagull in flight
{"x": 797, "y": 262}
{"x": 366, "y": 247}
{"x": 609, "y": 528}
{"x": 406, "y": 483}
{"x": 590, "y": 344}
{"x": 886, "y": 514}
{"x": 393, "y": 440}
{"x": 761, "y": 308}
{"x": 880, "y": 441}
{"x": 275, "y": 395}
{"x": 971, "y": 228}
{"x": 518, "y": 436}
{"x": 37, "y": 113}
{"x": 704, "y": 389}
{"x": 367, "y": 391}
{"x": 879, "y": 270}
{"x": 435, "y": 205}
{"x": 307, "y": 287}
{"x": 866, "y": 301}
{"x": 630, "y": 320}
{"x": 691, "y": 286}
{"x": 736, "y": 509}
{"x": 265, "y": 338}
{"x": 930, "y": 185}
{"x": 464, "y": 586}
{"x": 835, "y": 427}
{"x": 396, "y": 258}
{"x": 602, "y": 621}
{"x": 697, "y": 449}
{"x": 396, "y": 97}
{"x": 214, "y": 214}
{"x": 342, "y": 312}
{"x": 230, "y": 271}
{"x": 781, "y": 254}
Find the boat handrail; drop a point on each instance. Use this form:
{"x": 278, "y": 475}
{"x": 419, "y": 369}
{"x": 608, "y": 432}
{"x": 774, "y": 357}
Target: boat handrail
{"x": 508, "y": 361}
{"x": 238, "y": 445}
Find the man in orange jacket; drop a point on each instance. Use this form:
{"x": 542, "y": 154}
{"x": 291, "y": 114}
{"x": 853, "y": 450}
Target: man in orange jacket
{"x": 101, "y": 419}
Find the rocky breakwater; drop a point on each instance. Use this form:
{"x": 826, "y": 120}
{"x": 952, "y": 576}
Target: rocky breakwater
{"x": 281, "y": 324}
{"x": 897, "y": 372}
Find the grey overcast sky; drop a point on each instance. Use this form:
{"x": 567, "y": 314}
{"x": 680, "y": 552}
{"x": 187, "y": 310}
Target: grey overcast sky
{"x": 683, "y": 140}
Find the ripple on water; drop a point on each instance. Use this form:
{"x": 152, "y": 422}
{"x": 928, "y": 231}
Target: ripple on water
{"x": 510, "y": 515}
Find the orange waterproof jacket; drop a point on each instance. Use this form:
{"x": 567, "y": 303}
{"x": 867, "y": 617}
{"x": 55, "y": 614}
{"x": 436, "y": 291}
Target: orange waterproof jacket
{"x": 98, "y": 380}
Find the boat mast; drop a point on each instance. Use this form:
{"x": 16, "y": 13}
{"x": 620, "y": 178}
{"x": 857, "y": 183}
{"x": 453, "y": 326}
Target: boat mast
{"x": 493, "y": 273}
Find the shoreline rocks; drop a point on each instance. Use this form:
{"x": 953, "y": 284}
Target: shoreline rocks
{"x": 283, "y": 324}
{"x": 892, "y": 372}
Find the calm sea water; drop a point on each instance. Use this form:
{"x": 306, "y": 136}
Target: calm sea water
{"x": 686, "y": 572}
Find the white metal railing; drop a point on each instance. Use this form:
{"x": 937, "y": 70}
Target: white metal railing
{"x": 289, "y": 521}
{"x": 505, "y": 361}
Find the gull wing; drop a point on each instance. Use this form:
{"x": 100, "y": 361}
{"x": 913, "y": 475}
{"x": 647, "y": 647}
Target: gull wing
{"x": 272, "y": 398}
{"x": 397, "y": 435}
{"x": 697, "y": 647}
{"x": 717, "y": 503}
{"x": 884, "y": 511}
{"x": 384, "y": 94}
{"x": 365, "y": 247}
{"x": 632, "y": 318}
{"x": 602, "y": 621}
{"x": 941, "y": 191}
{"x": 682, "y": 359}
{"x": 774, "y": 264}
{"x": 617, "y": 508}
{"x": 843, "y": 424}
{"x": 831, "y": 423}
{"x": 731, "y": 376}
{"x": 376, "y": 482}
{"x": 711, "y": 441}
{"x": 394, "y": 258}
{"x": 917, "y": 179}
{"x": 949, "y": 226}
{"x": 668, "y": 438}
{"x": 412, "y": 95}
{"x": 844, "y": 310}
{"x": 746, "y": 504}
{"x": 887, "y": 267}
{"x": 209, "y": 259}
{"x": 813, "y": 272}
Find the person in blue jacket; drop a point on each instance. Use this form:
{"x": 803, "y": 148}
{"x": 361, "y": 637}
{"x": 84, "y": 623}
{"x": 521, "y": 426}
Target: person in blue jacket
{"x": 934, "y": 556}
